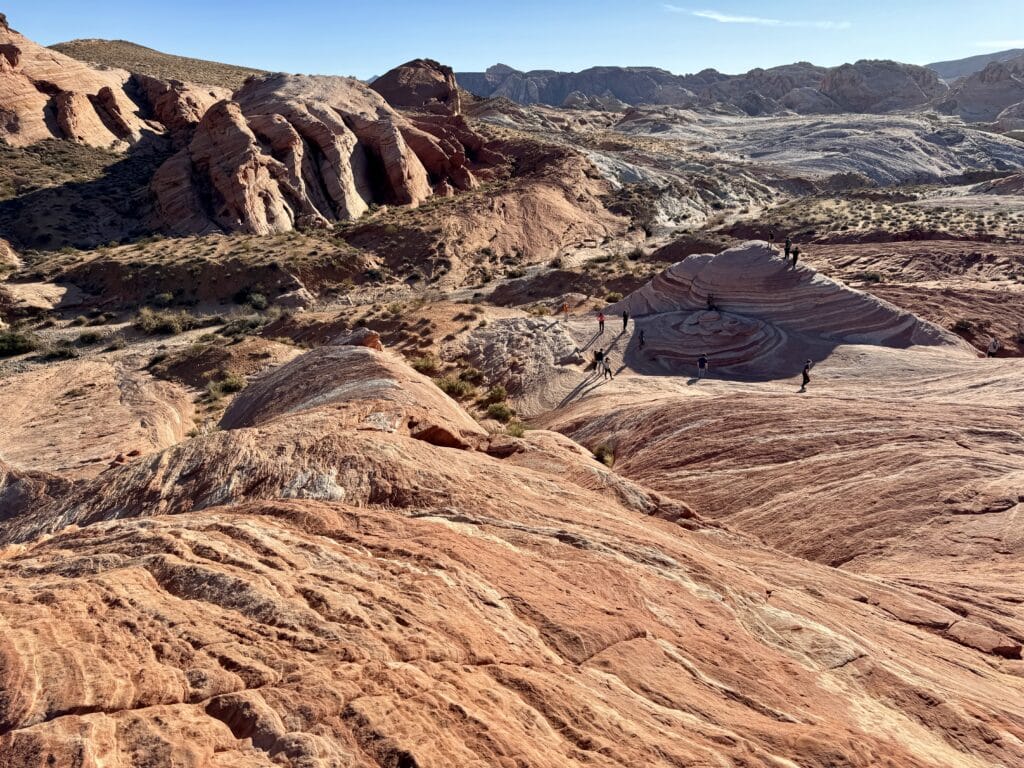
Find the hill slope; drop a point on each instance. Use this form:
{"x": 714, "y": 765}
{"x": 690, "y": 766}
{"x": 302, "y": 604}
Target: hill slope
{"x": 146, "y": 61}
{"x": 957, "y": 68}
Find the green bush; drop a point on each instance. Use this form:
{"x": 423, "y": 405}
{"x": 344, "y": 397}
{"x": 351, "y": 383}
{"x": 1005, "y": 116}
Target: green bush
{"x": 89, "y": 337}
{"x": 242, "y": 326}
{"x": 258, "y": 301}
{"x": 426, "y": 364}
{"x": 613, "y": 297}
{"x": 455, "y": 387}
{"x": 163, "y": 299}
{"x": 17, "y": 343}
{"x": 62, "y": 351}
{"x": 501, "y": 412}
{"x": 496, "y": 394}
{"x": 515, "y": 429}
{"x": 232, "y": 382}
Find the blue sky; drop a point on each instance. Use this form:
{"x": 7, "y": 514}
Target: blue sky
{"x": 367, "y": 38}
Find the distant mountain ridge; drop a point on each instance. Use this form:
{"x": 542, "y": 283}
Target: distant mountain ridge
{"x": 958, "y": 68}
{"x": 865, "y": 86}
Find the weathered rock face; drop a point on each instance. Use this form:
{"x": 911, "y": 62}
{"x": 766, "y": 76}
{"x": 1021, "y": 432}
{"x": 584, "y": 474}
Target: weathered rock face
{"x": 177, "y": 105}
{"x": 294, "y": 150}
{"x": 45, "y": 95}
{"x": 420, "y": 84}
{"x": 315, "y": 588}
{"x": 9, "y": 258}
{"x": 1011, "y": 118}
{"x": 985, "y": 94}
{"x": 881, "y": 86}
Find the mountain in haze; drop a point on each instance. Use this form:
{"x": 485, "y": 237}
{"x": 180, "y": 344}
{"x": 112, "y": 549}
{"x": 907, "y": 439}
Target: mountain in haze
{"x": 866, "y": 86}
{"x": 958, "y": 68}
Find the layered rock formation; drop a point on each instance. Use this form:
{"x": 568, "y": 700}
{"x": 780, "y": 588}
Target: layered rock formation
{"x": 293, "y": 150}
{"x": 982, "y": 96}
{"x": 46, "y": 95}
{"x": 323, "y": 583}
{"x": 767, "y": 316}
{"x": 420, "y": 84}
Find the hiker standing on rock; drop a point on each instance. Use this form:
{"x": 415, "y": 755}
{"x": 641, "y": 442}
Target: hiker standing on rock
{"x": 565, "y": 311}
{"x": 642, "y": 340}
{"x": 807, "y": 375}
{"x": 796, "y": 254}
{"x": 993, "y": 347}
{"x": 625, "y": 320}
{"x": 608, "y": 368}
{"x": 600, "y": 322}
{"x": 702, "y": 365}
{"x": 598, "y": 360}
{"x": 711, "y": 303}
{"x": 788, "y": 246}
{"x": 771, "y": 239}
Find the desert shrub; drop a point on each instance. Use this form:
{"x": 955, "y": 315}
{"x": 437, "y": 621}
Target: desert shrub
{"x": 61, "y": 351}
{"x": 636, "y": 254}
{"x": 496, "y": 394}
{"x": 163, "y": 300}
{"x": 515, "y": 429}
{"x": 605, "y": 455}
{"x": 613, "y": 296}
{"x": 472, "y": 375}
{"x": 426, "y": 364}
{"x": 500, "y": 412}
{"x": 258, "y": 301}
{"x": 17, "y": 343}
{"x": 515, "y": 272}
{"x": 156, "y": 359}
{"x": 240, "y": 326}
{"x": 455, "y": 387}
{"x": 80, "y": 320}
{"x": 232, "y": 382}
{"x": 869, "y": 277}
{"x": 89, "y": 337}
{"x": 539, "y": 310}
{"x": 116, "y": 344}
{"x": 163, "y": 322}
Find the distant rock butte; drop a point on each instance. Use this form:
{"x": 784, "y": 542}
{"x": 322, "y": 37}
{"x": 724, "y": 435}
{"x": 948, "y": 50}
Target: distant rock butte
{"x": 420, "y": 84}
{"x": 994, "y": 93}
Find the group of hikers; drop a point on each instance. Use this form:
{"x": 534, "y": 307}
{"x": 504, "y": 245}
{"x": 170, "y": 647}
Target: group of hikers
{"x": 602, "y": 357}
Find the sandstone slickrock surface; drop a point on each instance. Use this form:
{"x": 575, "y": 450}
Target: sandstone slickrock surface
{"x": 473, "y": 609}
{"x": 74, "y": 418}
{"x": 45, "y": 94}
{"x": 295, "y": 150}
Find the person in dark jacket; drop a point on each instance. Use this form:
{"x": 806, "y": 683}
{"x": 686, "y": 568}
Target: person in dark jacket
{"x": 806, "y": 375}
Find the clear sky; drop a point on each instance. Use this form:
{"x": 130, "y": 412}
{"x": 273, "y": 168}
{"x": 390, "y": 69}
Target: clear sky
{"x": 367, "y": 38}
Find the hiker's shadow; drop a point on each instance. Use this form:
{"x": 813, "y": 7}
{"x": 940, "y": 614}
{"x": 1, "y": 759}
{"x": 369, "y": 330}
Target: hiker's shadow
{"x": 590, "y": 343}
{"x": 592, "y": 381}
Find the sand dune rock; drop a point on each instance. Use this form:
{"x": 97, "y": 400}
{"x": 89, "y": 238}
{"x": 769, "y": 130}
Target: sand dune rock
{"x": 420, "y": 84}
{"x": 73, "y": 418}
{"x": 881, "y": 86}
{"x": 768, "y": 315}
{"x": 294, "y": 150}
{"x": 350, "y": 380}
{"x": 45, "y": 94}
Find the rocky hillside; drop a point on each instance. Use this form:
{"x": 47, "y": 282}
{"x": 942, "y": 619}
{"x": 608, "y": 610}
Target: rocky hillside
{"x": 867, "y": 86}
{"x": 985, "y": 95}
{"x": 956, "y": 68}
{"x": 121, "y": 54}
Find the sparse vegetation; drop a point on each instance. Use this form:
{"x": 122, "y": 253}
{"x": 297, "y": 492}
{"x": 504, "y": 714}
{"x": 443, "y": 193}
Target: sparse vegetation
{"x": 605, "y": 455}
{"x": 515, "y": 429}
{"x": 496, "y": 394}
{"x": 455, "y": 387}
{"x": 428, "y": 365}
{"x": 17, "y": 343}
{"x": 163, "y": 322}
{"x": 501, "y": 412}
